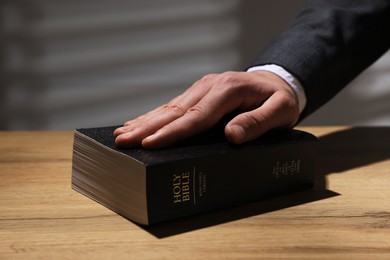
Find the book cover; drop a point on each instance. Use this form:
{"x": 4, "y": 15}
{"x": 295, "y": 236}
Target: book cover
{"x": 201, "y": 174}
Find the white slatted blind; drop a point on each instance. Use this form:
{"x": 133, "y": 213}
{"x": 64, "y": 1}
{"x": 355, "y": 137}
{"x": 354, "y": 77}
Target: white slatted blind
{"x": 69, "y": 63}
{"x": 66, "y": 64}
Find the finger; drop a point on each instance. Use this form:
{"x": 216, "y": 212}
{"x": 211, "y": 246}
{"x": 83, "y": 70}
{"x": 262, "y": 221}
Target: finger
{"x": 197, "y": 119}
{"x": 161, "y": 115}
{"x": 280, "y": 110}
{"x": 134, "y": 131}
{"x": 175, "y": 108}
{"x": 153, "y": 119}
{"x": 225, "y": 96}
{"x": 132, "y": 135}
{"x": 174, "y": 132}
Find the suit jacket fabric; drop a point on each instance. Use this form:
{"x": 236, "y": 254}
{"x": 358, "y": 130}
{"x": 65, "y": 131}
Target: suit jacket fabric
{"x": 329, "y": 43}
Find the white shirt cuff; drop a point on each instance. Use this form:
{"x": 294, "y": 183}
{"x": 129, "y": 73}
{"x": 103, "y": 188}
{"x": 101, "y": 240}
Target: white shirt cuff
{"x": 290, "y": 79}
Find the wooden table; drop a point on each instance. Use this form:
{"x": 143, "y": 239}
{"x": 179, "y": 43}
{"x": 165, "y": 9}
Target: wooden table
{"x": 346, "y": 215}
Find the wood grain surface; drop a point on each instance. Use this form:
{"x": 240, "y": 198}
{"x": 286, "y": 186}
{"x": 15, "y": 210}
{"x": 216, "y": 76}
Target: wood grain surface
{"x": 345, "y": 216}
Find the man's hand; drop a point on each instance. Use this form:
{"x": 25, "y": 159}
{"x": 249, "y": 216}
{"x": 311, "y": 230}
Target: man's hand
{"x": 262, "y": 99}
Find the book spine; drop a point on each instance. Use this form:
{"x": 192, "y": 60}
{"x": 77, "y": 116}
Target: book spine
{"x": 192, "y": 186}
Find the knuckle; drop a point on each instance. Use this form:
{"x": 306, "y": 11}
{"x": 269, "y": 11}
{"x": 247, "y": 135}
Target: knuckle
{"x": 198, "y": 117}
{"x": 253, "y": 121}
{"x": 287, "y": 111}
{"x": 207, "y": 78}
{"x": 257, "y": 120}
{"x": 229, "y": 84}
{"x": 196, "y": 110}
{"x": 288, "y": 103}
{"x": 228, "y": 78}
{"x": 205, "y": 83}
{"x": 177, "y": 109}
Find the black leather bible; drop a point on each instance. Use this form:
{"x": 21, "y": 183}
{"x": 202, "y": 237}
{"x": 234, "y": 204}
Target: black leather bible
{"x": 200, "y": 174}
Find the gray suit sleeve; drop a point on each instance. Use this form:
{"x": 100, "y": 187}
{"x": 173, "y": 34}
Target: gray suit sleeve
{"x": 329, "y": 43}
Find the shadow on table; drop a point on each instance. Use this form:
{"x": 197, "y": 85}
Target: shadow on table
{"x": 338, "y": 152}
{"x": 351, "y": 148}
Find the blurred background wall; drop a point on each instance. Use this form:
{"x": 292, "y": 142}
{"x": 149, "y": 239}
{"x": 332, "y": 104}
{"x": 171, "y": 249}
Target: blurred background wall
{"x": 67, "y": 64}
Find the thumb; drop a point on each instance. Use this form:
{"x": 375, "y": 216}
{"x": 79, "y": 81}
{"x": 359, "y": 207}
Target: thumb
{"x": 246, "y": 126}
{"x": 274, "y": 113}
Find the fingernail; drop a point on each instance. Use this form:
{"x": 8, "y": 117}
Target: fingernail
{"x": 150, "y": 142}
{"x": 150, "y": 138}
{"x": 239, "y": 133}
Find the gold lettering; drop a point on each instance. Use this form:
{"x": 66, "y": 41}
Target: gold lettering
{"x": 181, "y": 187}
{"x": 176, "y": 198}
{"x": 185, "y": 175}
{"x": 176, "y": 188}
{"x": 186, "y": 197}
{"x": 176, "y": 179}
{"x": 285, "y": 168}
{"x": 185, "y": 192}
